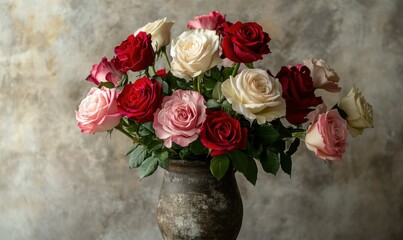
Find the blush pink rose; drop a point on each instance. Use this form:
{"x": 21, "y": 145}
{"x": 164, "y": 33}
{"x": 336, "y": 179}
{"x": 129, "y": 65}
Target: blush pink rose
{"x": 180, "y": 118}
{"x": 327, "y": 135}
{"x": 323, "y": 75}
{"x": 98, "y": 112}
{"x": 211, "y": 21}
{"x": 104, "y": 71}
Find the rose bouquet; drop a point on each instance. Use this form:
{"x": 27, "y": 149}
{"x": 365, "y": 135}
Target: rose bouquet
{"x": 213, "y": 104}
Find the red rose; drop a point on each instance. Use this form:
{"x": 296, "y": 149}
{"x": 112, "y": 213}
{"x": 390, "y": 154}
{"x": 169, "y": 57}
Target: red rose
{"x": 162, "y": 73}
{"x": 139, "y": 100}
{"x": 136, "y": 53}
{"x": 221, "y": 133}
{"x": 244, "y": 42}
{"x": 298, "y": 92}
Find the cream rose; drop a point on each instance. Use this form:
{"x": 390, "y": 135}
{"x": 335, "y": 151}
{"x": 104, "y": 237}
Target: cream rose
{"x": 256, "y": 95}
{"x": 323, "y": 76}
{"x": 194, "y": 52}
{"x": 359, "y": 112}
{"x": 160, "y": 31}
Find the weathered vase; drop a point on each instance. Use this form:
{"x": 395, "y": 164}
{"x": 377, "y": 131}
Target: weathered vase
{"x": 194, "y": 205}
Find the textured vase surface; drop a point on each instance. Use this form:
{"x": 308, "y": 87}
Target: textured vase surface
{"x": 194, "y": 205}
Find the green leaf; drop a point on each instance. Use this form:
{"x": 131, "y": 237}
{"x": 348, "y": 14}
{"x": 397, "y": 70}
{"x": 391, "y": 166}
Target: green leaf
{"x": 162, "y": 156}
{"x": 270, "y": 161}
{"x": 267, "y": 134}
{"x": 226, "y": 73}
{"x": 183, "y": 153}
{"x": 123, "y": 80}
{"x": 286, "y": 163}
{"x": 106, "y": 84}
{"x": 154, "y": 145}
{"x": 293, "y": 147}
{"x": 249, "y": 65}
{"x": 251, "y": 171}
{"x": 209, "y": 83}
{"x": 239, "y": 159}
{"x": 219, "y": 166}
{"x": 137, "y": 156}
{"x": 148, "y": 167}
{"x": 197, "y": 147}
{"x": 131, "y": 149}
{"x": 146, "y": 129}
{"x": 227, "y": 106}
{"x": 217, "y": 94}
{"x": 212, "y": 103}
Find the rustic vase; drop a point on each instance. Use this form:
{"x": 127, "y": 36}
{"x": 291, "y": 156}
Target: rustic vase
{"x": 194, "y": 205}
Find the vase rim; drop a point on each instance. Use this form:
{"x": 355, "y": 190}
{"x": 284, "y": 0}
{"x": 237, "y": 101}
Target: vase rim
{"x": 178, "y": 165}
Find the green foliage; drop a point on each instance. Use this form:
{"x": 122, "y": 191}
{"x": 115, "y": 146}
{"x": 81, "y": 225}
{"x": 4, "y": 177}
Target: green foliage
{"x": 266, "y": 134}
{"x": 219, "y": 166}
{"x": 137, "y": 156}
{"x": 239, "y": 160}
{"x": 106, "y": 84}
{"x": 162, "y": 156}
{"x": 146, "y": 129}
{"x": 270, "y": 161}
{"x": 212, "y": 103}
{"x": 293, "y": 147}
{"x": 217, "y": 94}
{"x": 251, "y": 171}
{"x": 286, "y": 163}
{"x": 197, "y": 147}
{"x": 148, "y": 167}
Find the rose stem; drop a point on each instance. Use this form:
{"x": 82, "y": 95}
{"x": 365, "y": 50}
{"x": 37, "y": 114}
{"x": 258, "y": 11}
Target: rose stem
{"x": 166, "y": 57}
{"x": 119, "y": 127}
{"x": 235, "y": 71}
{"x": 153, "y": 68}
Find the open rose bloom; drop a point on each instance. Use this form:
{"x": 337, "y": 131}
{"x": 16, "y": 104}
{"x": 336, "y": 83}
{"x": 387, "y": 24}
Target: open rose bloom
{"x": 213, "y": 101}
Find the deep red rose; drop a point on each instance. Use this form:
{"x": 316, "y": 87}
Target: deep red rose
{"x": 298, "y": 92}
{"x": 139, "y": 100}
{"x": 221, "y": 133}
{"x": 162, "y": 72}
{"x": 136, "y": 53}
{"x": 244, "y": 42}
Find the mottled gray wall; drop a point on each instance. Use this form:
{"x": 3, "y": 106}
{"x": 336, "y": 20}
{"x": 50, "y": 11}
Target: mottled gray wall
{"x": 58, "y": 184}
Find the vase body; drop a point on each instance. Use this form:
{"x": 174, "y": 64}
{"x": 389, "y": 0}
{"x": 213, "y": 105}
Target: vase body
{"x": 194, "y": 205}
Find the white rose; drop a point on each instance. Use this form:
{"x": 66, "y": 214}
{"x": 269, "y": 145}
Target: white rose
{"x": 323, "y": 75}
{"x": 194, "y": 52}
{"x": 255, "y": 94}
{"x": 359, "y": 112}
{"x": 160, "y": 31}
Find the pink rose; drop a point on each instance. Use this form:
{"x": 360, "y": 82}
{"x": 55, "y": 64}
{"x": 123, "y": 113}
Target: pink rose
{"x": 327, "y": 135}
{"x": 104, "y": 72}
{"x": 98, "y": 112}
{"x": 211, "y": 21}
{"x": 180, "y": 118}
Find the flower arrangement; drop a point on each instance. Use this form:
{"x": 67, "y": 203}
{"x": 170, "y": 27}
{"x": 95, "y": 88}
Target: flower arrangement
{"x": 213, "y": 104}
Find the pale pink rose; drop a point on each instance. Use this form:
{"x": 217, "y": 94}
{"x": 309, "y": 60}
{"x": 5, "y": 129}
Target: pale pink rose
{"x": 211, "y": 21}
{"x": 327, "y": 135}
{"x": 180, "y": 118}
{"x": 323, "y": 76}
{"x": 98, "y": 112}
{"x": 105, "y": 71}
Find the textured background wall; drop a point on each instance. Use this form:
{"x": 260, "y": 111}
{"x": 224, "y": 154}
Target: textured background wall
{"x": 58, "y": 184}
